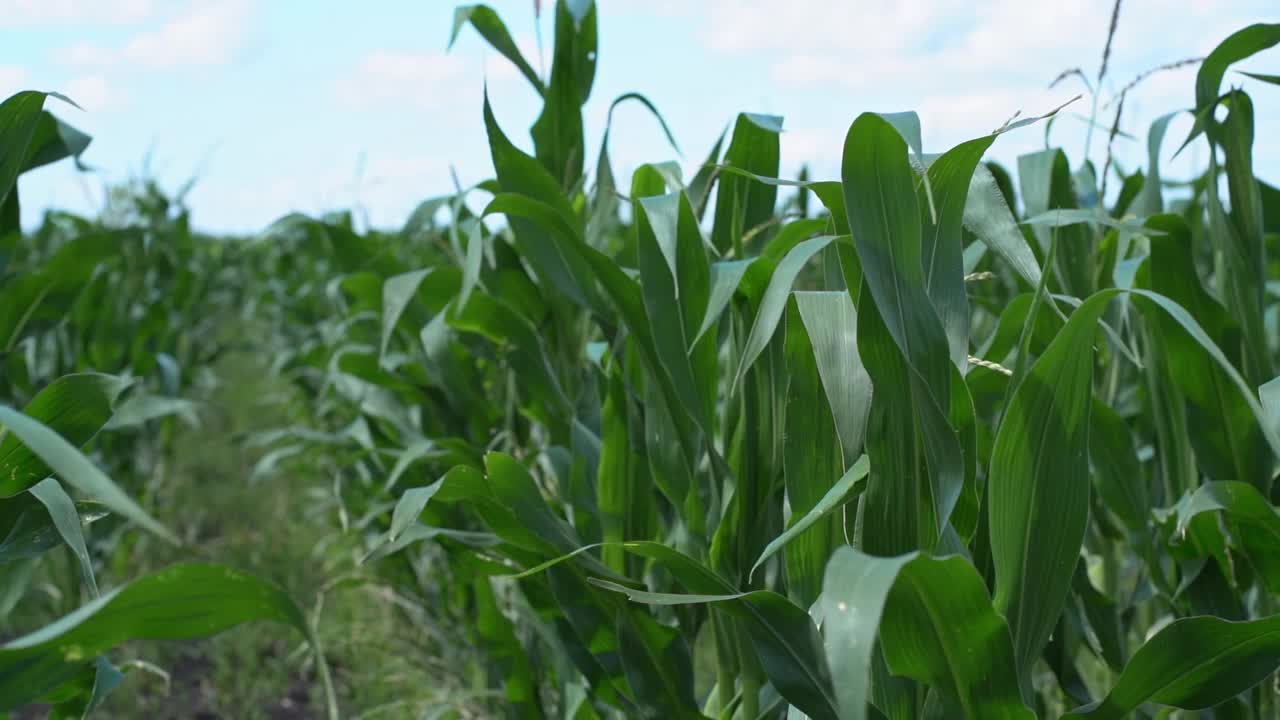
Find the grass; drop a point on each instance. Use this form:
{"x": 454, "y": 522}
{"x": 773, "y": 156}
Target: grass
{"x": 378, "y": 656}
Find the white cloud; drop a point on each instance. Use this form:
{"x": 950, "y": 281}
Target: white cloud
{"x": 12, "y": 79}
{"x": 207, "y": 32}
{"x": 871, "y": 26}
{"x": 25, "y": 13}
{"x": 965, "y": 67}
{"x": 207, "y": 35}
{"x": 424, "y": 79}
{"x": 94, "y": 93}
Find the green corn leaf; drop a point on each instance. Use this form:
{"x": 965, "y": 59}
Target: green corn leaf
{"x": 725, "y": 278}
{"x": 66, "y": 519}
{"x": 675, "y": 286}
{"x": 1230, "y": 444}
{"x": 987, "y": 215}
{"x": 1240, "y": 45}
{"x": 1047, "y": 185}
{"x": 558, "y": 133}
{"x": 1038, "y": 485}
{"x": 783, "y": 635}
{"x": 659, "y": 669}
{"x": 1193, "y": 663}
{"x": 1117, "y": 474}
{"x": 29, "y": 530}
{"x": 179, "y": 603}
{"x": 1239, "y": 235}
{"x": 742, "y": 205}
{"x": 774, "y": 301}
{"x": 73, "y": 468}
{"x": 1151, "y": 201}
{"x": 19, "y": 117}
{"x": 942, "y": 243}
{"x": 544, "y": 224}
{"x": 75, "y": 406}
{"x": 1254, "y": 522}
{"x": 935, "y": 624}
{"x": 810, "y": 468}
{"x": 901, "y": 341}
{"x": 139, "y": 409}
{"x": 846, "y": 489}
{"x": 832, "y": 325}
{"x": 490, "y": 26}
{"x": 397, "y": 293}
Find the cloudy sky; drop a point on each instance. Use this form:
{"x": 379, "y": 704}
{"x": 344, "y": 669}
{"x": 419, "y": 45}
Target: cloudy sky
{"x": 281, "y": 105}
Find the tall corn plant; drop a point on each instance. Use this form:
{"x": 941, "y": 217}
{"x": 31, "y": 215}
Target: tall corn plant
{"x": 909, "y": 457}
{"x": 77, "y": 298}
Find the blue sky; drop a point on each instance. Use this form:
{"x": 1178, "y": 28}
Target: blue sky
{"x": 283, "y": 105}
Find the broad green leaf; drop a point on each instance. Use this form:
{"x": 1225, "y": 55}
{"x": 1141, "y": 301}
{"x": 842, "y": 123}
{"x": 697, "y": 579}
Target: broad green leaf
{"x": 54, "y": 140}
{"x": 935, "y": 624}
{"x": 810, "y": 468}
{"x": 1066, "y": 217}
{"x": 179, "y": 603}
{"x": 675, "y": 286}
{"x": 1047, "y": 185}
{"x": 847, "y": 488}
{"x": 942, "y": 241}
{"x": 1118, "y": 476}
{"x": 66, "y": 519}
{"x": 418, "y": 532}
{"x": 490, "y": 26}
{"x": 139, "y": 409}
{"x": 1193, "y": 663}
{"x": 914, "y": 370}
{"x": 1038, "y": 484}
{"x": 19, "y": 116}
{"x": 774, "y": 300}
{"x": 1242, "y": 44}
{"x": 725, "y": 278}
{"x": 987, "y": 215}
{"x": 518, "y": 339}
{"x": 742, "y": 205}
{"x": 73, "y": 468}
{"x": 471, "y": 264}
{"x": 1151, "y": 200}
{"x": 832, "y": 325}
{"x": 785, "y": 637}
{"x": 74, "y": 406}
{"x": 1238, "y": 234}
{"x": 29, "y": 530}
{"x": 1229, "y": 444}
{"x": 1254, "y": 521}
{"x": 908, "y": 126}
{"x": 543, "y": 222}
{"x": 558, "y": 132}
{"x": 659, "y": 669}
{"x": 700, "y": 185}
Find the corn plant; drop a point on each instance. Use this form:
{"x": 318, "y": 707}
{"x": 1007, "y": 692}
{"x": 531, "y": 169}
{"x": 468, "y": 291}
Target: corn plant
{"x": 77, "y": 298}
{"x": 912, "y": 454}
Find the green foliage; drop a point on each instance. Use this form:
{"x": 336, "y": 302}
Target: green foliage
{"x": 906, "y": 453}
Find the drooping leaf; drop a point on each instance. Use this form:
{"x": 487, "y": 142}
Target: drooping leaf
{"x": 73, "y": 468}
{"x": 1193, "y": 663}
{"x": 935, "y": 624}
{"x": 182, "y": 602}
{"x": 74, "y": 406}
{"x": 490, "y": 26}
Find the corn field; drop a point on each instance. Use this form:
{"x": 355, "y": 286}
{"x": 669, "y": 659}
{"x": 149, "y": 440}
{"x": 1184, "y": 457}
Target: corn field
{"x": 922, "y": 441}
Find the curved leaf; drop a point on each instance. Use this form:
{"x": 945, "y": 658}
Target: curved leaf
{"x": 935, "y": 624}
{"x": 1193, "y": 663}
{"x": 178, "y": 603}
